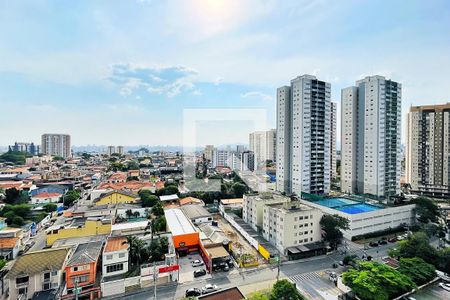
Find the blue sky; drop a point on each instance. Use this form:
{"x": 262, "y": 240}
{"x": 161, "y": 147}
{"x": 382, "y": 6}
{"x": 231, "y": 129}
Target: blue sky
{"x": 123, "y": 72}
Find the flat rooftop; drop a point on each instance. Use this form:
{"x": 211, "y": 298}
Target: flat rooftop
{"x": 194, "y": 211}
{"x": 347, "y": 206}
{"x": 177, "y": 222}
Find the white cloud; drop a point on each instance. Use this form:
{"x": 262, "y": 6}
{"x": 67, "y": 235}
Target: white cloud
{"x": 169, "y": 80}
{"x": 258, "y": 95}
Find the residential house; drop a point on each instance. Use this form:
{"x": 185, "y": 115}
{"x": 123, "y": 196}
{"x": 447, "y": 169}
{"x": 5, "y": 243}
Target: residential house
{"x": 10, "y": 241}
{"x": 78, "y": 227}
{"x": 81, "y": 269}
{"x": 116, "y": 197}
{"x": 115, "y": 256}
{"x": 38, "y": 271}
{"x": 45, "y": 197}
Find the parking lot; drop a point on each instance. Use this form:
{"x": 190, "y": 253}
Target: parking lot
{"x": 187, "y": 270}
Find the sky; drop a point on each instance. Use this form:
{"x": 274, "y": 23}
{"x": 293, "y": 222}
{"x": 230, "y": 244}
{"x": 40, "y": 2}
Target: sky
{"x": 125, "y": 72}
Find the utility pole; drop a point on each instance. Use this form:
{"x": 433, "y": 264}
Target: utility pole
{"x": 279, "y": 263}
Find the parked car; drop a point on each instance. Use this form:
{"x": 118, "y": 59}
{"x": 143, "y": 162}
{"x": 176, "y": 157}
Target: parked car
{"x": 197, "y": 263}
{"x": 224, "y": 266}
{"x": 373, "y": 244}
{"x": 193, "y": 292}
{"x": 198, "y": 273}
{"x": 382, "y": 242}
{"x": 392, "y": 239}
{"x": 209, "y": 288}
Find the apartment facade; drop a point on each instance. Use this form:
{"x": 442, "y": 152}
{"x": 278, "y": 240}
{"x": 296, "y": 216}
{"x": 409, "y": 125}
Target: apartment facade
{"x": 304, "y": 136}
{"x": 208, "y": 152}
{"x": 333, "y": 122}
{"x": 291, "y": 224}
{"x": 56, "y": 144}
{"x": 263, "y": 144}
{"x": 253, "y": 207}
{"x": 428, "y": 149}
{"x": 115, "y": 256}
{"x": 111, "y": 150}
{"x": 370, "y": 134}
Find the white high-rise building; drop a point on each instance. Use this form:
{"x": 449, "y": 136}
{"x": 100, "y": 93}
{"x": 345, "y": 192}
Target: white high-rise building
{"x": 221, "y": 158}
{"x": 333, "y": 171}
{"x": 208, "y": 152}
{"x": 304, "y": 136}
{"x": 370, "y": 124}
{"x": 120, "y": 150}
{"x": 428, "y": 150}
{"x": 56, "y": 144}
{"x": 263, "y": 144}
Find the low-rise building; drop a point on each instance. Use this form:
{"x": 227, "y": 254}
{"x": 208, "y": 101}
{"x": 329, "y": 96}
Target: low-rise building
{"x": 197, "y": 213}
{"x": 131, "y": 228}
{"x": 10, "y": 242}
{"x": 253, "y": 207}
{"x": 81, "y": 269}
{"x": 291, "y": 224}
{"x": 116, "y": 197}
{"x": 45, "y": 197}
{"x": 115, "y": 256}
{"x": 78, "y": 227}
{"x": 38, "y": 271}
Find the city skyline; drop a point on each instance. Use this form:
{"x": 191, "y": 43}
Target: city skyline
{"x": 133, "y": 67}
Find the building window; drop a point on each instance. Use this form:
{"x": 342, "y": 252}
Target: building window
{"x": 22, "y": 280}
{"x": 54, "y": 273}
{"x": 121, "y": 255}
{"x": 80, "y": 279}
{"x": 46, "y": 276}
{"x": 23, "y": 291}
{"x": 114, "y": 268}
{"x": 109, "y": 257}
{"x": 47, "y": 286}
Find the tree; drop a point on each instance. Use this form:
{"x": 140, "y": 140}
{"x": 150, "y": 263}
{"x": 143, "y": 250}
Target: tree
{"x": 239, "y": 189}
{"x": 332, "y": 226}
{"x": 39, "y": 217}
{"x": 444, "y": 260}
{"x": 2, "y": 263}
{"x": 426, "y": 210}
{"x": 416, "y": 245}
{"x": 417, "y": 269}
{"x": 285, "y": 290}
{"x": 12, "y": 195}
{"x": 22, "y": 210}
{"x": 10, "y": 215}
{"x": 136, "y": 248}
{"x": 375, "y": 281}
{"x": 18, "y": 221}
{"x": 86, "y": 155}
{"x": 160, "y": 224}
{"x": 169, "y": 190}
{"x": 147, "y": 198}
{"x": 129, "y": 213}
{"x": 58, "y": 158}
{"x": 71, "y": 196}
{"x": 50, "y": 207}
{"x": 158, "y": 210}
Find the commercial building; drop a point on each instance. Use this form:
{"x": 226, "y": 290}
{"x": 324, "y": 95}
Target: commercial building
{"x": 197, "y": 213}
{"x": 253, "y": 207}
{"x": 291, "y": 224}
{"x": 428, "y": 150}
{"x": 56, "y": 144}
{"x": 304, "y": 136}
{"x": 365, "y": 217}
{"x": 263, "y": 144}
{"x": 333, "y": 150}
{"x": 78, "y": 227}
{"x": 81, "y": 269}
{"x": 38, "y": 271}
{"x": 185, "y": 238}
{"x": 115, "y": 256}
{"x": 370, "y": 124}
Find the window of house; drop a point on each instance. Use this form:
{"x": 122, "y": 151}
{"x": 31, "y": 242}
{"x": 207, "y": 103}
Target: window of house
{"x": 114, "y": 268}
{"x": 22, "y": 280}
{"x": 47, "y": 276}
{"x": 23, "y": 291}
{"x": 109, "y": 257}
{"x": 80, "y": 279}
{"x": 46, "y": 286}
{"x": 54, "y": 273}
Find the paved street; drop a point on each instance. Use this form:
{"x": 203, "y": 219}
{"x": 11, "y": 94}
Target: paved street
{"x": 292, "y": 270}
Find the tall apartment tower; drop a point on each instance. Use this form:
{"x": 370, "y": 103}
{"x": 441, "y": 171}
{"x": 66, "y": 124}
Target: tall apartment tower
{"x": 263, "y": 144}
{"x": 370, "y": 124}
{"x": 120, "y": 150}
{"x": 56, "y": 144}
{"x": 209, "y": 151}
{"x": 333, "y": 122}
{"x": 111, "y": 150}
{"x": 428, "y": 149}
{"x": 304, "y": 136}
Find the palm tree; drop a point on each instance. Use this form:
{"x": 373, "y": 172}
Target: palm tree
{"x": 129, "y": 213}
{"x": 136, "y": 247}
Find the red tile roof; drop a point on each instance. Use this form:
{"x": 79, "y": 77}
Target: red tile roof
{"x": 8, "y": 243}
{"x": 116, "y": 244}
{"x": 46, "y": 195}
